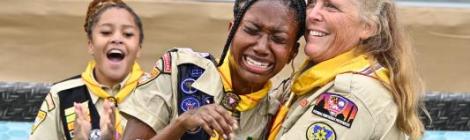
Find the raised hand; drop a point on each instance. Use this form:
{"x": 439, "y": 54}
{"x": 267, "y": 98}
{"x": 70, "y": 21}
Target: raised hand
{"x": 82, "y": 123}
{"x": 212, "y": 118}
{"x": 107, "y": 121}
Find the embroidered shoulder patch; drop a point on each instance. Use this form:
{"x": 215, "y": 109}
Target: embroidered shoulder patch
{"x": 39, "y": 119}
{"x": 146, "y": 78}
{"x": 166, "y": 63}
{"x": 336, "y": 108}
{"x": 320, "y": 131}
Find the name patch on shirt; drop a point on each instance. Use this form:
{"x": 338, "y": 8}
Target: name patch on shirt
{"x": 320, "y": 131}
{"x": 336, "y": 108}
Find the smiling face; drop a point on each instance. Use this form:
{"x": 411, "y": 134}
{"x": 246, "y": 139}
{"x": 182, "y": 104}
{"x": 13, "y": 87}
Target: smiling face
{"x": 263, "y": 45}
{"x": 114, "y": 45}
{"x": 333, "y": 27}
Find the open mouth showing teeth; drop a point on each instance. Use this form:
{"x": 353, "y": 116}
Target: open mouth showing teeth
{"x": 258, "y": 64}
{"x": 317, "y": 33}
{"x": 115, "y": 55}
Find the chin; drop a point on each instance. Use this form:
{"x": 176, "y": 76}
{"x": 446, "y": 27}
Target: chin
{"x": 117, "y": 75}
{"x": 256, "y": 79}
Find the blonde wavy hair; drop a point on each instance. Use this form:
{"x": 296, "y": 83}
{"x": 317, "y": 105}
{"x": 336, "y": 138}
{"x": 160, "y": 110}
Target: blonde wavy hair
{"x": 392, "y": 50}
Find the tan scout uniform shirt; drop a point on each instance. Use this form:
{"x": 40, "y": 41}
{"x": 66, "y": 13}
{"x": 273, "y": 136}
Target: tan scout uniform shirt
{"x": 352, "y": 107}
{"x": 48, "y": 124}
{"x": 155, "y": 103}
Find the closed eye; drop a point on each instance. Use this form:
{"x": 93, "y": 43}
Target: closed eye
{"x": 331, "y": 7}
{"x": 278, "y": 39}
{"x": 250, "y": 30}
{"x": 128, "y": 35}
{"x": 105, "y": 33}
{"x": 311, "y": 3}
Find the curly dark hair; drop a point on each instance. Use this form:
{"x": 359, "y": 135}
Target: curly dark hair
{"x": 241, "y": 6}
{"x": 97, "y": 7}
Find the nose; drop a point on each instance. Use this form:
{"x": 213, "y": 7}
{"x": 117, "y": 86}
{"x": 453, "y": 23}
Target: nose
{"x": 314, "y": 14}
{"x": 117, "y": 38}
{"x": 262, "y": 46}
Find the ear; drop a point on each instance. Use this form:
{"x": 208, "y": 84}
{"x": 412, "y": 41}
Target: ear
{"x": 294, "y": 52}
{"x": 230, "y": 25}
{"x": 370, "y": 29}
{"x": 91, "y": 48}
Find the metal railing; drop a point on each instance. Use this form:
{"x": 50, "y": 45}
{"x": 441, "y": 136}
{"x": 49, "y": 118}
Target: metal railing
{"x": 449, "y": 111}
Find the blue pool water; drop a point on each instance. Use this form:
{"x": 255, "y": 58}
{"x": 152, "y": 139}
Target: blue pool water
{"x": 15, "y": 130}
{"x": 20, "y": 131}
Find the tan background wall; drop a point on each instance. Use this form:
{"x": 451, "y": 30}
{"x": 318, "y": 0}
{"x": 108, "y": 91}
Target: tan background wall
{"x": 44, "y": 41}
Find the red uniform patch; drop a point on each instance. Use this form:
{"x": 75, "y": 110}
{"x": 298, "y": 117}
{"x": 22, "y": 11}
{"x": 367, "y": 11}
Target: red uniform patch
{"x": 336, "y": 108}
{"x": 166, "y": 63}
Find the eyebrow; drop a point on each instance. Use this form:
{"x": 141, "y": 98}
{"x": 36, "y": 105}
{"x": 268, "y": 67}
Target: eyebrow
{"x": 282, "y": 29}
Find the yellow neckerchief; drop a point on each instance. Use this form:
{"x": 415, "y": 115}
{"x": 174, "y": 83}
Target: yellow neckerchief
{"x": 325, "y": 72}
{"x": 126, "y": 89}
{"x": 247, "y": 101}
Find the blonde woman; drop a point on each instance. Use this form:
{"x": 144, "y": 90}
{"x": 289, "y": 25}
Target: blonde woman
{"x": 359, "y": 81}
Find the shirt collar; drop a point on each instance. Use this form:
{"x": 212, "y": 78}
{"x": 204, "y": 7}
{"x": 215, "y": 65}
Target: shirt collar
{"x": 110, "y": 90}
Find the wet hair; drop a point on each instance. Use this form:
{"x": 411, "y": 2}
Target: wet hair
{"x": 390, "y": 47}
{"x": 241, "y": 6}
{"x": 97, "y": 8}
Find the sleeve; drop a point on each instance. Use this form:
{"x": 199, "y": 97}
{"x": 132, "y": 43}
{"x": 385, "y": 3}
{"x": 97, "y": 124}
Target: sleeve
{"x": 151, "y": 103}
{"x": 47, "y": 124}
{"x": 388, "y": 130}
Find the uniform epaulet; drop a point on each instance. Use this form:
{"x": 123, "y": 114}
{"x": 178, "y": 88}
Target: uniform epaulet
{"x": 342, "y": 83}
{"x": 69, "y": 83}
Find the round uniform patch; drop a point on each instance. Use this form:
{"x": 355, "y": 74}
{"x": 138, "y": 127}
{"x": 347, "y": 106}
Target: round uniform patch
{"x": 186, "y": 86}
{"x": 189, "y": 103}
{"x": 320, "y": 131}
{"x": 230, "y": 101}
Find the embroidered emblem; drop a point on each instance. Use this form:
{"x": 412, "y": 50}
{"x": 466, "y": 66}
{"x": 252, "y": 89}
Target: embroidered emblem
{"x": 39, "y": 119}
{"x": 186, "y": 86}
{"x": 146, "y": 78}
{"x": 155, "y": 72}
{"x": 230, "y": 101}
{"x": 336, "y": 108}
{"x": 189, "y": 103}
{"x": 196, "y": 72}
{"x": 166, "y": 63}
{"x": 320, "y": 131}
{"x": 50, "y": 103}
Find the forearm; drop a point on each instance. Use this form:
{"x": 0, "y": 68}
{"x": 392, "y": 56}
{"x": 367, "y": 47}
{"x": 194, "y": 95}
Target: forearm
{"x": 174, "y": 131}
{"x": 135, "y": 129}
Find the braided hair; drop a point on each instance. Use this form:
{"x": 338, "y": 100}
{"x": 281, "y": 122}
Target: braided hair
{"x": 241, "y": 6}
{"x": 97, "y": 7}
